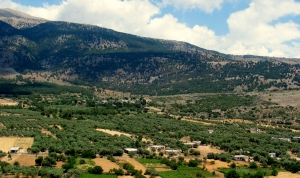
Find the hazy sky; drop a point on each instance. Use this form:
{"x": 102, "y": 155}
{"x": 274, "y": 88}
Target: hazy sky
{"x": 259, "y": 27}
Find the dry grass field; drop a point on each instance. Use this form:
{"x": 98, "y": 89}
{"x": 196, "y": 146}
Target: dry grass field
{"x": 105, "y": 164}
{"x": 8, "y": 102}
{"x": 285, "y": 175}
{"x": 48, "y": 133}
{"x": 204, "y": 150}
{"x": 24, "y": 160}
{"x": 283, "y": 98}
{"x": 112, "y": 132}
{"x": 23, "y": 143}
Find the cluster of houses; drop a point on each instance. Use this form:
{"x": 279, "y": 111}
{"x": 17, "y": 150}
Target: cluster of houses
{"x": 249, "y": 158}
{"x": 155, "y": 148}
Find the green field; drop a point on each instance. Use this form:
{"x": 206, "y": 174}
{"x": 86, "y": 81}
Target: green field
{"x": 246, "y": 170}
{"x": 174, "y": 174}
{"x": 98, "y": 176}
{"x": 194, "y": 171}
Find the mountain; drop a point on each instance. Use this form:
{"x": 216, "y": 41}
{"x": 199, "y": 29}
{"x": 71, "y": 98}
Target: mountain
{"x": 19, "y": 19}
{"x": 91, "y": 55}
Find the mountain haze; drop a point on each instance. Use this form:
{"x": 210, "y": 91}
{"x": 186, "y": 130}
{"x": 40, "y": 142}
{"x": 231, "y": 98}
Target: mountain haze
{"x": 91, "y": 55}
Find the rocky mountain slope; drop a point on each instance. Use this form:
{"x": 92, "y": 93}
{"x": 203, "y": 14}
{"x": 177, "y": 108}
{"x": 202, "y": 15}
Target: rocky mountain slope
{"x": 19, "y": 19}
{"x": 91, "y": 55}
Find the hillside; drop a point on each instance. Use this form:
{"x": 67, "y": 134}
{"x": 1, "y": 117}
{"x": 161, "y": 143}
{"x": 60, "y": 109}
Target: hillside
{"x": 91, "y": 55}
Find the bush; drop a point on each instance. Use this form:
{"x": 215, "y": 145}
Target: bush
{"x": 88, "y": 154}
{"x": 232, "y": 174}
{"x": 193, "y": 163}
{"x": 81, "y": 161}
{"x": 95, "y": 170}
{"x": 233, "y": 165}
{"x": 253, "y": 165}
{"x": 118, "y": 172}
{"x": 151, "y": 172}
{"x": 39, "y": 160}
{"x": 274, "y": 172}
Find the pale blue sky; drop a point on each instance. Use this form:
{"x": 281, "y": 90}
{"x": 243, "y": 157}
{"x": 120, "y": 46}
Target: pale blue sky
{"x": 258, "y": 27}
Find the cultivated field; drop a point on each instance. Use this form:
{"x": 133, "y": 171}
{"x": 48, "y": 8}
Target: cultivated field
{"x": 23, "y": 143}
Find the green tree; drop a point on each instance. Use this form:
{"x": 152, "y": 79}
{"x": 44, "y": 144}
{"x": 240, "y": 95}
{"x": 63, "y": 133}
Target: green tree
{"x": 232, "y": 174}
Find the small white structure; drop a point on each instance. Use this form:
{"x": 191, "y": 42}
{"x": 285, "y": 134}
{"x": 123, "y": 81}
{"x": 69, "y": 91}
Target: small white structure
{"x": 14, "y": 149}
{"x": 272, "y": 155}
{"x": 157, "y": 147}
{"x": 255, "y": 129}
{"x": 241, "y": 158}
{"x": 130, "y": 150}
{"x": 210, "y": 131}
{"x": 282, "y": 139}
{"x": 296, "y": 138}
{"x": 193, "y": 143}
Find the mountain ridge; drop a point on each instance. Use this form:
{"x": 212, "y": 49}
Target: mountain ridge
{"x": 92, "y": 55}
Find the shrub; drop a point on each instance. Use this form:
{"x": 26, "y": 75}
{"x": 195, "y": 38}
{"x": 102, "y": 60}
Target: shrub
{"x": 193, "y": 163}
{"x": 81, "y": 161}
{"x": 95, "y": 170}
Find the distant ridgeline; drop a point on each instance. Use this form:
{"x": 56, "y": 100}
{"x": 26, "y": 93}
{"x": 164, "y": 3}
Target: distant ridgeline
{"x": 27, "y": 87}
{"x": 95, "y": 56}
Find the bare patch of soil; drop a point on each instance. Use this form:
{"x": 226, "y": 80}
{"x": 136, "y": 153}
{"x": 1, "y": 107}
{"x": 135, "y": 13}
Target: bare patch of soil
{"x": 204, "y": 150}
{"x": 161, "y": 169}
{"x": 25, "y": 160}
{"x": 59, "y": 164}
{"x": 285, "y": 175}
{"x": 58, "y": 126}
{"x": 112, "y": 132}
{"x": 186, "y": 139}
{"x": 283, "y": 98}
{"x": 105, "y": 164}
{"x": 214, "y": 167}
{"x": 8, "y": 102}
{"x": 48, "y": 133}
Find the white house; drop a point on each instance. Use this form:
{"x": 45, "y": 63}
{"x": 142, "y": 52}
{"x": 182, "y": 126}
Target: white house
{"x": 242, "y": 158}
{"x": 14, "y": 149}
{"x": 272, "y": 155}
{"x": 130, "y": 150}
